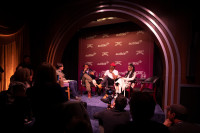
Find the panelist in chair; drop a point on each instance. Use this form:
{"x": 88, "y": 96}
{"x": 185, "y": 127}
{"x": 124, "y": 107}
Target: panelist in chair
{"x": 109, "y": 76}
{"x": 72, "y": 83}
{"x": 122, "y": 83}
{"x": 88, "y": 78}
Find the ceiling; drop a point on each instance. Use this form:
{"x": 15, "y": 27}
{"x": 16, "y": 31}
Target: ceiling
{"x": 105, "y": 21}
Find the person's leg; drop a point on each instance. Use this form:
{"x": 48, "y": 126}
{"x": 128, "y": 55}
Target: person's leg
{"x": 104, "y": 82}
{"x": 109, "y": 91}
{"x": 76, "y": 86}
{"x": 73, "y": 89}
{"x": 88, "y": 88}
{"x": 85, "y": 80}
{"x": 87, "y": 77}
{"x": 110, "y": 81}
{"x": 72, "y": 86}
{"x": 87, "y": 84}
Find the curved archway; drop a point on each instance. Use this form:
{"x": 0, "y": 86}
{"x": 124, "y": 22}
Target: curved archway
{"x": 144, "y": 18}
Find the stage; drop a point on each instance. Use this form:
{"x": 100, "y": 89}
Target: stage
{"x": 94, "y": 104}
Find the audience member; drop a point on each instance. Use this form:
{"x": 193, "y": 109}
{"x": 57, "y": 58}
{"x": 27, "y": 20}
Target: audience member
{"x": 177, "y": 120}
{"x": 123, "y": 82}
{"x": 72, "y": 83}
{"x": 111, "y": 118}
{"x": 26, "y": 63}
{"x": 88, "y": 78}
{"x": 142, "y": 106}
{"x": 45, "y": 96}
{"x": 16, "y": 106}
{"x": 76, "y": 117}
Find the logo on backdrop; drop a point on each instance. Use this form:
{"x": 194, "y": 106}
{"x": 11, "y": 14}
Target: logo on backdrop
{"x": 103, "y": 45}
{"x": 89, "y": 45}
{"x": 118, "y": 62}
{"x": 89, "y": 63}
{"x": 122, "y": 34}
{"x": 140, "y": 32}
{"x": 141, "y": 73}
{"x": 104, "y": 53}
{"x": 135, "y": 63}
{"x": 122, "y": 73}
{"x": 140, "y": 52}
{"x": 118, "y": 43}
{"x": 91, "y": 37}
{"x": 122, "y": 53}
{"x": 102, "y": 72}
{"x": 105, "y": 36}
{"x": 102, "y": 63}
{"x": 135, "y": 43}
{"x": 90, "y": 55}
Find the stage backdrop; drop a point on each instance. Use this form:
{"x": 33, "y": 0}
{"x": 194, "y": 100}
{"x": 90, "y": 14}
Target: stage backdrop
{"x": 121, "y": 46}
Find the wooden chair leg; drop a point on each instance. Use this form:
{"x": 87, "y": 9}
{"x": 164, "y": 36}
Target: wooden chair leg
{"x": 68, "y": 93}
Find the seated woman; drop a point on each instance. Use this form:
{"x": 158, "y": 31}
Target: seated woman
{"x": 122, "y": 83}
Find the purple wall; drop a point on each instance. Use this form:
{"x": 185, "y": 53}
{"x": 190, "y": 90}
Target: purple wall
{"x": 123, "y": 48}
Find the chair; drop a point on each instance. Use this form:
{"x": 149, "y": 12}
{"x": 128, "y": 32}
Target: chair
{"x": 68, "y": 91}
{"x": 134, "y": 86}
{"x": 129, "y": 89}
{"x": 149, "y": 85}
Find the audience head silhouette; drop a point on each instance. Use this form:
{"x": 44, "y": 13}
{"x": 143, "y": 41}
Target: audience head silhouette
{"x": 46, "y": 73}
{"x": 179, "y": 110}
{"x": 58, "y": 65}
{"x": 22, "y": 74}
{"x": 142, "y": 106}
{"x": 120, "y": 102}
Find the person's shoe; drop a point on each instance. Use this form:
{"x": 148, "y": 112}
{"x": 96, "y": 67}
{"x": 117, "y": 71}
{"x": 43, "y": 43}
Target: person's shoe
{"x": 100, "y": 86}
{"x": 105, "y": 100}
{"x": 89, "y": 94}
{"x": 105, "y": 96}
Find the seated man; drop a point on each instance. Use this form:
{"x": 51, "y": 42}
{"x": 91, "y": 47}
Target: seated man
{"x": 72, "y": 83}
{"x": 177, "y": 120}
{"x": 88, "y": 78}
{"x": 109, "y": 77}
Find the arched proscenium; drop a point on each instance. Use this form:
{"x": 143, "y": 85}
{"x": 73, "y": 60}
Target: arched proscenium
{"x": 146, "y": 18}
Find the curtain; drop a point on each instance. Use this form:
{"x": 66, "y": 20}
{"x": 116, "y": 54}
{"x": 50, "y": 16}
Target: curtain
{"x": 11, "y": 46}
